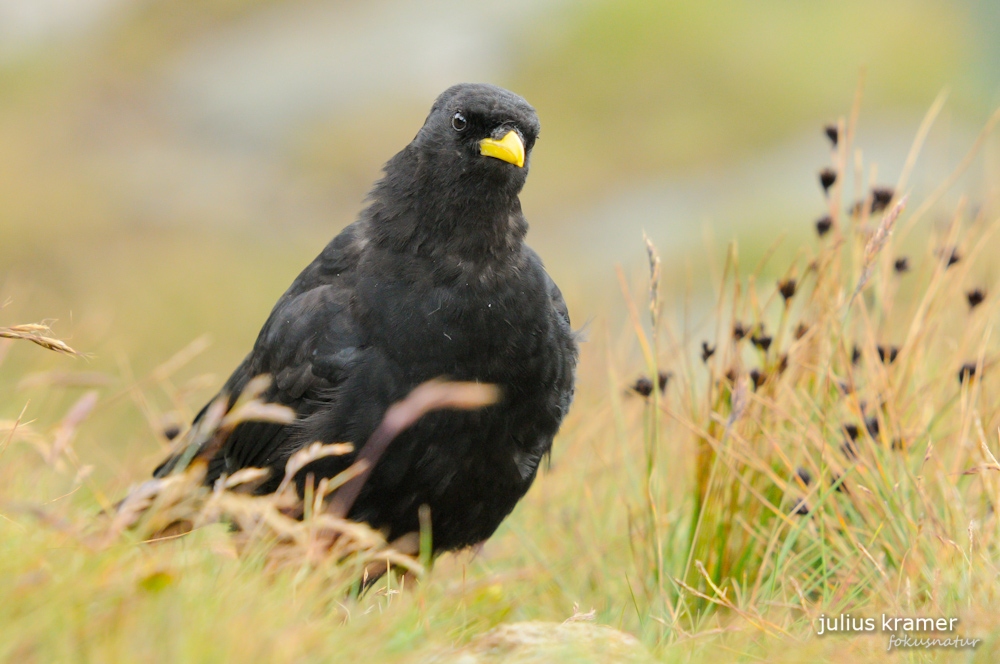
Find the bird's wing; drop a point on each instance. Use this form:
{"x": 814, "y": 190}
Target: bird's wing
{"x": 565, "y": 355}
{"x": 307, "y": 345}
{"x": 555, "y": 295}
{"x": 558, "y": 303}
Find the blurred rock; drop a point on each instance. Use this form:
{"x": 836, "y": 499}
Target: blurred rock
{"x": 544, "y": 642}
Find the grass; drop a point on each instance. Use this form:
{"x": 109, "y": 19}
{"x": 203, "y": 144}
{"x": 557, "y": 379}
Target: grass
{"x": 825, "y": 442}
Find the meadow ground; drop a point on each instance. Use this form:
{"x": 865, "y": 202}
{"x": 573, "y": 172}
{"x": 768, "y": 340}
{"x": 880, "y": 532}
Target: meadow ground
{"x": 831, "y": 448}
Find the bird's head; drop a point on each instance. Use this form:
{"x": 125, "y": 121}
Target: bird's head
{"x": 479, "y": 134}
{"x": 455, "y": 186}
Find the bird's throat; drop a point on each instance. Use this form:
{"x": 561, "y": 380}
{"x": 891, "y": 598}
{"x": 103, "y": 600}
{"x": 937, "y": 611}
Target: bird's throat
{"x": 470, "y": 220}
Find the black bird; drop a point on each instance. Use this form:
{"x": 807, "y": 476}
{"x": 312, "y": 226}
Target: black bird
{"x": 433, "y": 280}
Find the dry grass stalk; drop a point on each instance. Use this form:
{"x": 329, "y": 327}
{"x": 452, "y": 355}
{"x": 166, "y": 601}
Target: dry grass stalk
{"x": 38, "y": 333}
{"x": 874, "y": 246}
{"x": 175, "y": 504}
{"x": 432, "y": 395}
{"x": 305, "y": 456}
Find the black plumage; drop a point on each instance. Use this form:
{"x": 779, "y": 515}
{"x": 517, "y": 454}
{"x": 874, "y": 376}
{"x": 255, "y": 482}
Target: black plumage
{"x": 433, "y": 280}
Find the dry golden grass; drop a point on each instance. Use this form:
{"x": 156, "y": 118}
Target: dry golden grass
{"x": 37, "y": 333}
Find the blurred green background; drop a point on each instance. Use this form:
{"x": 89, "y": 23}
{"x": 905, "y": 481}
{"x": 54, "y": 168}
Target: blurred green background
{"x": 168, "y": 166}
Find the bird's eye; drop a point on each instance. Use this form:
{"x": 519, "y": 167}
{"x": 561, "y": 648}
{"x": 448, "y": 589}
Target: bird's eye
{"x": 458, "y": 122}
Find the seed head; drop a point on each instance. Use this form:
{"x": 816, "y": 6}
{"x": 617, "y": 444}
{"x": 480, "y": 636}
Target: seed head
{"x": 787, "y": 288}
{"x": 706, "y": 351}
{"x": 831, "y": 132}
{"x": 888, "y": 354}
{"x": 782, "y": 364}
{"x": 823, "y": 225}
{"x": 643, "y": 386}
{"x": 662, "y": 378}
{"x": 761, "y": 341}
{"x": 967, "y": 371}
{"x": 952, "y": 255}
{"x": 881, "y": 197}
{"x": 827, "y": 177}
{"x": 804, "y": 475}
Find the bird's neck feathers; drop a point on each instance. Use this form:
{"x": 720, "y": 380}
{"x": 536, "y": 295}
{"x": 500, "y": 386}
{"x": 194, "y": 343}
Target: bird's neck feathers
{"x": 420, "y": 207}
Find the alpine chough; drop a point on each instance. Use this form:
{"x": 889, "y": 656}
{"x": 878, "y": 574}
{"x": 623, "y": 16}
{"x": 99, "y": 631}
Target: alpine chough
{"x": 432, "y": 280}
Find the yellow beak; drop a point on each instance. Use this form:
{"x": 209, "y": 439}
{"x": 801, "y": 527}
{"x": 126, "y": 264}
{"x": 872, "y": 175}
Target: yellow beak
{"x": 509, "y": 148}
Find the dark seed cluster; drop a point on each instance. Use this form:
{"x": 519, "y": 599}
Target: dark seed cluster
{"x": 871, "y": 424}
{"x": 761, "y": 341}
{"x": 782, "y": 364}
{"x": 831, "y": 132}
{"x": 823, "y": 225}
{"x": 787, "y": 288}
{"x": 881, "y": 197}
{"x": 804, "y": 475}
{"x": 827, "y": 177}
{"x": 662, "y": 378}
{"x": 643, "y": 385}
{"x": 951, "y": 255}
{"x": 706, "y": 351}
{"x": 888, "y": 354}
